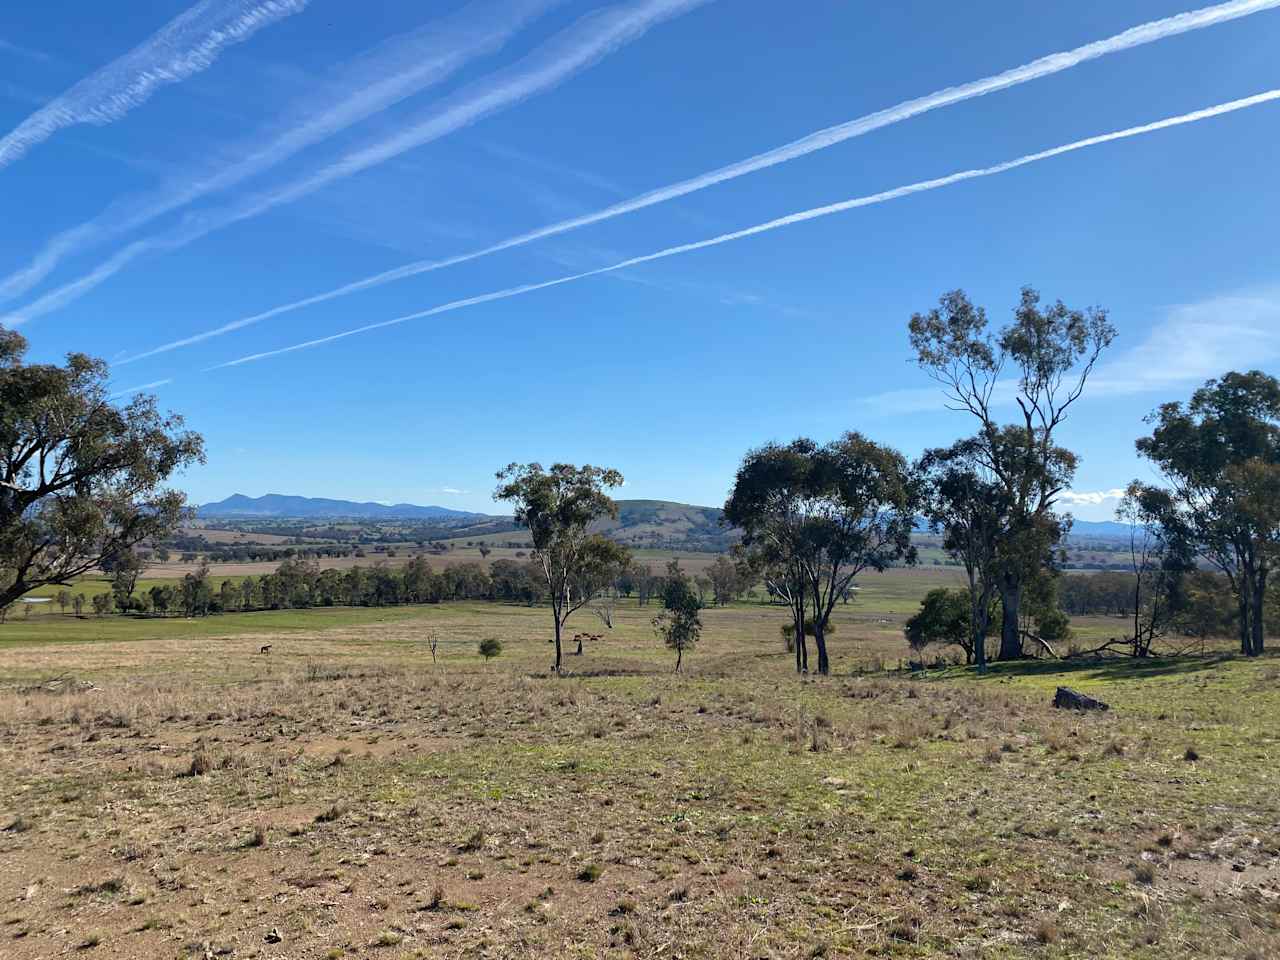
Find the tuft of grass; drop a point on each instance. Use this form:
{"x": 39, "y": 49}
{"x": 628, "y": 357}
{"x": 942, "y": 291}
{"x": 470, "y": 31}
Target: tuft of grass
{"x": 259, "y": 836}
{"x": 335, "y": 812}
{"x": 1191, "y": 756}
{"x": 387, "y": 938}
{"x": 590, "y": 873}
{"x": 979, "y": 882}
{"x": 1143, "y": 872}
{"x": 201, "y": 763}
{"x": 1047, "y": 931}
{"x": 622, "y": 908}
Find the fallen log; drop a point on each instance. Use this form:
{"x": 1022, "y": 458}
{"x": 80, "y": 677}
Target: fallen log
{"x": 1068, "y": 699}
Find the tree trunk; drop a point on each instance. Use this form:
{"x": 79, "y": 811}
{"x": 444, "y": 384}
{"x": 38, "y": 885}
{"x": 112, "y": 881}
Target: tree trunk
{"x": 679, "y": 657}
{"x": 1010, "y": 630}
{"x": 820, "y": 641}
{"x": 556, "y": 668}
{"x": 1246, "y": 635}
{"x": 1258, "y": 624}
{"x": 797, "y": 617}
{"x": 978, "y": 604}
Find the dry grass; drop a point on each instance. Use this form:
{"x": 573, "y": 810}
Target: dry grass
{"x": 348, "y": 798}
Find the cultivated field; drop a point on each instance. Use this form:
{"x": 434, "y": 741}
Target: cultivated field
{"x": 343, "y": 795}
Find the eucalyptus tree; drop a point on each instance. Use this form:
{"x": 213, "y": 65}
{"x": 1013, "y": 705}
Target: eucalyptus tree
{"x": 1051, "y": 353}
{"x": 833, "y": 511}
{"x": 1220, "y": 456}
{"x": 558, "y": 506}
{"x": 963, "y": 502}
{"x": 82, "y": 480}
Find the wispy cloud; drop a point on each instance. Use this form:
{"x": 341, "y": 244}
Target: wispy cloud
{"x": 1198, "y": 341}
{"x": 183, "y": 47}
{"x": 1089, "y": 498}
{"x": 129, "y": 391}
{"x": 580, "y": 46}
{"x": 1053, "y": 63}
{"x": 397, "y": 69}
{"x": 9, "y": 48}
{"x": 785, "y": 221}
{"x": 1192, "y": 343}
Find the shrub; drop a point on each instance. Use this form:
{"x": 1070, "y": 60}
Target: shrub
{"x": 490, "y": 648}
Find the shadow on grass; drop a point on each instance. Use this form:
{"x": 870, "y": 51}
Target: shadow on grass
{"x": 1103, "y": 670}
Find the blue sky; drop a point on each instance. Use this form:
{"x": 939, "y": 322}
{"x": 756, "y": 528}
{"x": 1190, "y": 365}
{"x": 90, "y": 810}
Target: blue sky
{"x": 170, "y": 170}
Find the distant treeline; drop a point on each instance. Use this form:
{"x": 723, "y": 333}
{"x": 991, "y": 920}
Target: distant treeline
{"x": 1204, "y": 607}
{"x": 300, "y": 584}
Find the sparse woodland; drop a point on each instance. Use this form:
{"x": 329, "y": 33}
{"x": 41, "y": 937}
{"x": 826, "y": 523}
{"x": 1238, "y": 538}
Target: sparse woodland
{"x": 581, "y": 752}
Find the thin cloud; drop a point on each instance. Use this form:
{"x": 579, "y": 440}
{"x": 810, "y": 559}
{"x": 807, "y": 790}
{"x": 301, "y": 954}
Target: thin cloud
{"x": 831, "y": 136}
{"x": 577, "y": 48}
{"x": 139, "y": 388}
{"x": 1193, "y": 343}
{"x": 786, "y": 221}
{"x": 397, "y": 69}
{"x": 185, "y": 46}
{"x": 27, "y": 53}
{"x": 1198, "y": 341}
{"x": 1089, "y": 498}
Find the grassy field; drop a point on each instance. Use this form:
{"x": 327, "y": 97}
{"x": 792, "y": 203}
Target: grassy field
{"x": 168, "y": 791}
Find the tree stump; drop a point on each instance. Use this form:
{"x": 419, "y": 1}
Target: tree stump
{"x": 1068, "y": 699}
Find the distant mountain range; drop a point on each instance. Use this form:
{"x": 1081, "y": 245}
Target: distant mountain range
{"x": 640, "y": 523}
{"x": 280, "y": 505}
{"x": 1099, "y": 530}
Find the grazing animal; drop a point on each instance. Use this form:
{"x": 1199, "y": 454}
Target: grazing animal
{"x": 266, "y": 648}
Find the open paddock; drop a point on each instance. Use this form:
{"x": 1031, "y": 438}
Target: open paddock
{"x": 344, "y": 795}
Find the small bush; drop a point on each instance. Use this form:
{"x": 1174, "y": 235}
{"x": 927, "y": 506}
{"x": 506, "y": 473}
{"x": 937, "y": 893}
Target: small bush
{"x": 490, "y": 648}
{"x": 590, "y": 873}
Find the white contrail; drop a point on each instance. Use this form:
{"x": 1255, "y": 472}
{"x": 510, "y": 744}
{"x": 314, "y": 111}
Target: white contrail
{"x": 793, "y": 218}
{"x": 139, "y": 388}
{"x": 578, "y": 47}
{"x": 391, "y": 72}
{"x": 183, "y": 47}
{"x": 1053, "y": 63}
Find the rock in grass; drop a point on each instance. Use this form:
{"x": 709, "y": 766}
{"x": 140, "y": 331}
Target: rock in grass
{"x": 1068, "y": 699}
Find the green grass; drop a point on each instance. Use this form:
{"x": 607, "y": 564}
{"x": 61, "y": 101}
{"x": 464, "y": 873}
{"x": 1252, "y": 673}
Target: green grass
{"x": 54, "y": 627}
